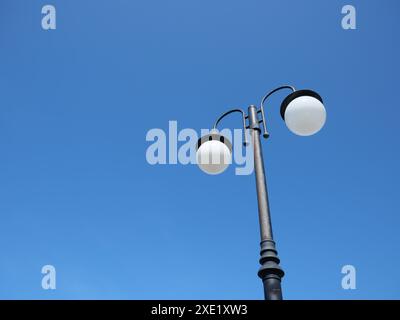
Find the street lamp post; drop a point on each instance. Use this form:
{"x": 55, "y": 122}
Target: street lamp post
{"x": 304, "y": 114}
{"x": 270, "y": 272}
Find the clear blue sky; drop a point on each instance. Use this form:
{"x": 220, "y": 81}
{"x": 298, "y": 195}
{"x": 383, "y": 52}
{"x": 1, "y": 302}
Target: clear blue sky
{"x": 76, "y": 191}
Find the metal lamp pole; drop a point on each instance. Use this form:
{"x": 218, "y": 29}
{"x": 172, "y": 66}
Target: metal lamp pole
{"x": 270, "y": 271}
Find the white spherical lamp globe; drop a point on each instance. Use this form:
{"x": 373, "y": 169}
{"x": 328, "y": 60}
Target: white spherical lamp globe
{"x": 214, "y": 153}
{"x": 303, "y": 112}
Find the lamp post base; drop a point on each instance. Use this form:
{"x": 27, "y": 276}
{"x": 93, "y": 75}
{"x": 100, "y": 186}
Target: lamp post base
{"x": 270, "y": 272}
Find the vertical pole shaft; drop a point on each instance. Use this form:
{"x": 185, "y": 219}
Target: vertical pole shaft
{"x": 270, "y": 272}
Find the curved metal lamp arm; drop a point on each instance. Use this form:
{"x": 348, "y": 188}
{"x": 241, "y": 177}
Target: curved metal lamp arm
{"x": 245, "y": 142}
{"x": 266, "y": 134}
